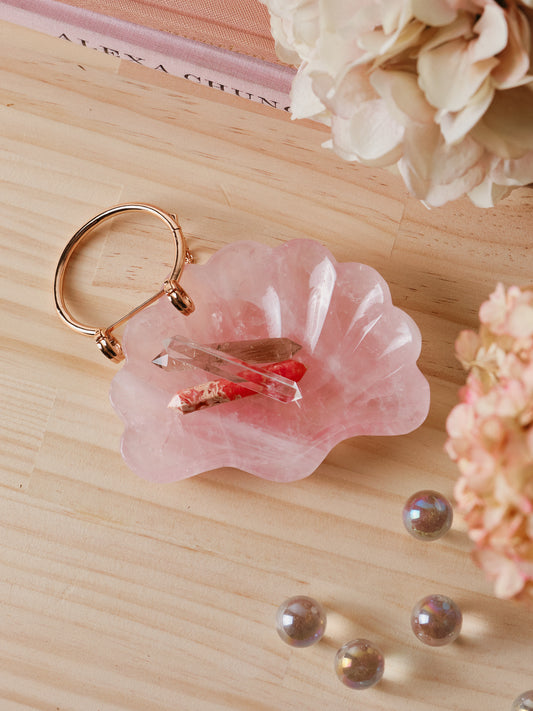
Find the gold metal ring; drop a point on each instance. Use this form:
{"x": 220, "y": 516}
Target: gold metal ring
{"x": 105, "y": 341}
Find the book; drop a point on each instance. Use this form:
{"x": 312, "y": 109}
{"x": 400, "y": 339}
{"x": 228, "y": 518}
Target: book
{"x": 220, "y": 68}
{"x": 240, "y": 26}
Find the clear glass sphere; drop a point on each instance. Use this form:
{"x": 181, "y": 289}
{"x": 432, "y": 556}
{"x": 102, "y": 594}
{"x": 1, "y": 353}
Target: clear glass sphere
{"x": 359, "y": 664}
{"x": 436, "y": 620}
{"x": 427, "y": 515}
{"x": 524, "y": 702}
{"x": 301, "y": 621}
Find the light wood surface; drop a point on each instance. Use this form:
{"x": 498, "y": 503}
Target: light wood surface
{"x": 119, "y": 594}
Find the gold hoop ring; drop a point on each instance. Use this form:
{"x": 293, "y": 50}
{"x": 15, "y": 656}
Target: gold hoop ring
{"x": 105, "y": 341}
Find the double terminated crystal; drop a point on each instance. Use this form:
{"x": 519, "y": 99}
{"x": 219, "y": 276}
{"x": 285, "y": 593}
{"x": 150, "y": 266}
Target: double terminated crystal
{"x": 220, "y": 360}
{"x": 524, "y": 702}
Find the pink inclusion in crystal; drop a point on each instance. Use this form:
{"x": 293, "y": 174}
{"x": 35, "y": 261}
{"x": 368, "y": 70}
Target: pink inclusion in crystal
{"x": 360, "y": 352}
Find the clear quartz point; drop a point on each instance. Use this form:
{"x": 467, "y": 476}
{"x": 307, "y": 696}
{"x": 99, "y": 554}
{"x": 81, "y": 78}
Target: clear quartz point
{"x": 179, "y": 352}
{"x": 259, "y": 350}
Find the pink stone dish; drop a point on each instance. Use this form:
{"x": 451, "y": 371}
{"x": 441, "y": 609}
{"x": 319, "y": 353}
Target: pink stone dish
{"x": 360, "y": 352}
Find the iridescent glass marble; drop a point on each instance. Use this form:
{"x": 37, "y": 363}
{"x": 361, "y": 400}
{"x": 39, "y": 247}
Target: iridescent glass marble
{"x": 524, "y": 702}
{"x": 301, "y": 621}
{"x": 427, "y": 515}
{"x": 436, "y": 620}
{"x": 359, "y": 664}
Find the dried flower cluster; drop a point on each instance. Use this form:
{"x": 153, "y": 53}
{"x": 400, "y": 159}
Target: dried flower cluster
{"x": 491, "y": 439}
{"x": 441, "y": 88}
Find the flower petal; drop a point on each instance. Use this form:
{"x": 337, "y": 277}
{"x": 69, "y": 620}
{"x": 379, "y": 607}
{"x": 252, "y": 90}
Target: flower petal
{"x": 461, "y": 27}
{"x": 491, "y": 29}
{"x": 448, "y": 77}
{"x": 370, "y": 135}
{"x": 304, "y": 102}
{"x": 487, "y": 193}
{"x": 437, "y": 172}
{"x": 456, "y": 125}
{"x": 506, "y": 127}
{"x": 520, "y": 321}
{"x": 514, "y": 60}
{"x": 353, "y": 88}
{"x": 466, "y": 347}
{"x": 509, "y": 579}
{"x": 514, "y": 172}
{"x": 403, "y": 96}
{"x": 434, "y": 12}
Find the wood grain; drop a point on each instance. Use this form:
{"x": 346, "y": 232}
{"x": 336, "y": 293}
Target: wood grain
{"x": 122, "y": 595}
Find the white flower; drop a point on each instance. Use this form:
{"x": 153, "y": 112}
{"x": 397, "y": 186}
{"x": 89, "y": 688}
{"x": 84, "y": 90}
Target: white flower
{"x": 442, "y": 88}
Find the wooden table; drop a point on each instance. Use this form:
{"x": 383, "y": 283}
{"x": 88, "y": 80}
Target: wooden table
{"x": 117, "y": 593}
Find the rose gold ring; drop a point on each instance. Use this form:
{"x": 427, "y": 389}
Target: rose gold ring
{"x": 105, "y": 341}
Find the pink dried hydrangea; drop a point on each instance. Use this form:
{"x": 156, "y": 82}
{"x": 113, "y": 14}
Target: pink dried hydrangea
{"x": 491, "y": 439}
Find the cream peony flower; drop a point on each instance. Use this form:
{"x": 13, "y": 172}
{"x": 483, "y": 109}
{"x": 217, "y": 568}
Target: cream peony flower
{"x": 490, "y": 436}
{"x": 441, "y": 88}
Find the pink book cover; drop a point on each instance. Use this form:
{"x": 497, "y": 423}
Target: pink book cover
{"x": 224, "y": 70}
{"x": 240, "y": 26}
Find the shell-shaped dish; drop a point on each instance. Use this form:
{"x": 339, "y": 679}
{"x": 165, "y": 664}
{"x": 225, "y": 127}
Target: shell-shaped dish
{"x": 360, "y": 352}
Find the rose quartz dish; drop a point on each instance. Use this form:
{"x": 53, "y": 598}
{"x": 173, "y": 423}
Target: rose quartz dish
{"x": 360, "y": 352}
